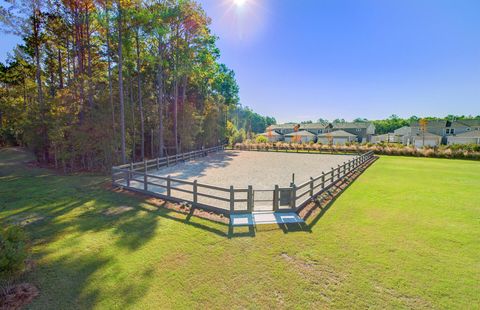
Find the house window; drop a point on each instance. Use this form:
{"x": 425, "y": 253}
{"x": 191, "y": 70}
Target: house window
{"x": 450, "y": 131}
{"x": 358, "y": 130}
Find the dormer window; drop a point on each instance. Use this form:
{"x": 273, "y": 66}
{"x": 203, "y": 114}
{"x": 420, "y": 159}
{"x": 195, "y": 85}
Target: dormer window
{"x": 450, "y": 131}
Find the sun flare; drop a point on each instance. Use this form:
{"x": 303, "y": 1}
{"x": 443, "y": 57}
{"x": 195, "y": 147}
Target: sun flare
{"x": 240, "y": 3}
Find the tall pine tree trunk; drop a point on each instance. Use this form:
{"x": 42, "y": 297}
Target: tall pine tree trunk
{"x": 160, "y": 98}
{"x": 38, "y": 77}
{"x": 182, "y": 109}
{"x": 175, "y": 114}
{"x": 120, "y": 84}
{"x": 60, "y": 70}
{"x": 89, "y": 59}
{"x": 140, "y": 103}
{"x": 110, "y": 86}
{"x": 132, "y": 105}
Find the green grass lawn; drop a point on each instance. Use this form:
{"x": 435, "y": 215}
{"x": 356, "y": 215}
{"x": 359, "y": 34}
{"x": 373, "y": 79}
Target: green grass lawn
{"x": 405, "y": 234}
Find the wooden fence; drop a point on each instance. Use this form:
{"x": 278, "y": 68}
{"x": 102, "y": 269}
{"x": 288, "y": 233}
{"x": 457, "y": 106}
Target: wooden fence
{"x": 226, "y": 200}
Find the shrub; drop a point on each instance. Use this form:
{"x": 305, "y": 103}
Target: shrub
{"x": 443, "y": 151}
{"x": 13, "y": 251}
{"x": 261, "y": 139}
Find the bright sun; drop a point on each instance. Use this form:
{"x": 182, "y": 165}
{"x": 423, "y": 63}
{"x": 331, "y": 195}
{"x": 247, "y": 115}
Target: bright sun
{"x": 239, "y": 3}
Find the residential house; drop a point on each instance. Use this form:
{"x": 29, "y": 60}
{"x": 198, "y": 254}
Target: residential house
{"x": 362, "y": 130}
{"x": 387, "y": 138}
{"x": 437, "y": 127}
{"x": 301, "y": 136}
{"x": 272, "y": 136}
{"x": 315, "y": 128}
{"x": 336, "y": 137}
{"x": 447, "y": 128}
{"x": 422, "y": 139}
{"x": 283, "y": 129}
{"x": 405, "y": 134}
{"x": 462, "y": 126}
{"x": 468, "y": 137}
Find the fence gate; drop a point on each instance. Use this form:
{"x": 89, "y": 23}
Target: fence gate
{"x": 272, "y": 200}
{"x": 263, "y": 200}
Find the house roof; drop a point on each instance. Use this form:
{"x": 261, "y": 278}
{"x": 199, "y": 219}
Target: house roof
{"x": 405, "y": 130}
{"x": 427, "y": 135}
{"x": 468, "y": 134}
{"x": 270, "y": 133}
{"x": 467, "y": 122}
{"x": 445, "y": 123}
{"x": 347, "y": 125}
{"x": 313, "y": 126}
{"x": 282, "y": 126}
{"x": 336, "y": 133}
{"x": 299, "y": 133}
{"x": 431, "y": 123}
{"x": 305, "y": 126}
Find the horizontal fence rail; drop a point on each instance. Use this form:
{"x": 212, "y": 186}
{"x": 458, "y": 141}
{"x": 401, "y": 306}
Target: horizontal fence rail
{"x": 226, "y": 200}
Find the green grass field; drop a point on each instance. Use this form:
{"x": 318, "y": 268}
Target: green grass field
{"x": 405, "y": 234}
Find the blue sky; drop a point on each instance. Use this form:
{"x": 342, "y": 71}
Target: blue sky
{"x": 306, "y": 59}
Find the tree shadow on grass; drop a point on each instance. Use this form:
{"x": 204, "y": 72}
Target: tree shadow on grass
{"x": 76, "y": 281}
{"x": 60, "y": 213}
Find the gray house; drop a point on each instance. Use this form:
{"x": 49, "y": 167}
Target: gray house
{"x": 283, "y": 129}
{"x": 315, "y": 128}
{"x": 357, "y": 131}
{"x": 445, "y": 128}
{"x": 363, "y": 130}
{"x": 336, "y": 137}
{"x": 288, "y": 128}
{"x": 469, "y": 137}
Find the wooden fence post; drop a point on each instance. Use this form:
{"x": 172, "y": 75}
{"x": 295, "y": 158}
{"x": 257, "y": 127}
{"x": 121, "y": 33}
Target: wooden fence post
{"x": 311, "y": 186}
{"x": 131, "y": 170}
{"x": 232, "y": 199}
{"x": 128, "y": 178}
{"x": 169, "y": 190}
{"x": 323, "y": 180}
{"x": 158, "y": 163}
{"x": 293, "y": 200}
{"x": 145, "y": 179}
{"x": 250, "y": 198}
{"x": 195, "y": 198}
{"x": 275, "y": 198}
{"x": 333, "y": 175}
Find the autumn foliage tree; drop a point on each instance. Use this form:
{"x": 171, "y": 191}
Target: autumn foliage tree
{"x": 101, "y": 82}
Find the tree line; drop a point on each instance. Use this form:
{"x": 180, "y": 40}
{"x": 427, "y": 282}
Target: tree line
{"x": 393, "y": 122}
{"x": 100, "y": 82}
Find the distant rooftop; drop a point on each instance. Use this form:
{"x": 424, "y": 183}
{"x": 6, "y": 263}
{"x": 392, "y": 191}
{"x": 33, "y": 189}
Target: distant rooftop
{"x": 300, "y": 133}
{"x": 469, "y": 134}
{"x": 445, "y": 123}
{"x": 270, "y": 133}
{"x": 337, "y": 133}
{"x": 351, "y": 125}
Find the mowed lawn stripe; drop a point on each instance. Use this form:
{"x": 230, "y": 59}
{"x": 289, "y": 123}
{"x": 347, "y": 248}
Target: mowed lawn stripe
{"x": 404, "y": 234}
